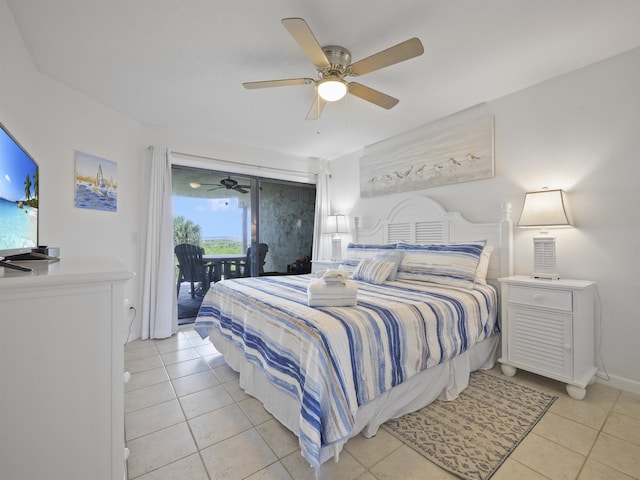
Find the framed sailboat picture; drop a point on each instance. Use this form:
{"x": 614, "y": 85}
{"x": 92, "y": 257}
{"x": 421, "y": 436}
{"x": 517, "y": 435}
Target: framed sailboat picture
{"x": 96, "y": 183}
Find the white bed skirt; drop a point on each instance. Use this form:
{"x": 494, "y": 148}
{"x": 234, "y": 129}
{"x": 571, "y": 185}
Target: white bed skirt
{"x": 444, "y": 382}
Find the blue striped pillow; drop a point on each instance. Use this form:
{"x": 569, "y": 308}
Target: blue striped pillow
{"x": 452, "y": 264}
{"x": 356, "y": 252}
{"x": 373, "y": 271}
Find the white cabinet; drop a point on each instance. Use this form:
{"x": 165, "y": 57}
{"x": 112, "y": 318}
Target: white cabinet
{"x": 317, "y": 265}
{"x": 61, "y": 371}
{"x": 548, "y": 329}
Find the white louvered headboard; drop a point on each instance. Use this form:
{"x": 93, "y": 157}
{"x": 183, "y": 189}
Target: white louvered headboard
{"x": 422, "y": 220}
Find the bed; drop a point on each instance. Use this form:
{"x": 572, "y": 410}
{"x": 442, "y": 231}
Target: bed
{"x": 329, "y": 373}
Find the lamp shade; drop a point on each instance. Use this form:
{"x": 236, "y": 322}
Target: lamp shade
{"x": 337, "y": 223}
{"x": 332, "y": 89}
{"x": 545, "y": 208}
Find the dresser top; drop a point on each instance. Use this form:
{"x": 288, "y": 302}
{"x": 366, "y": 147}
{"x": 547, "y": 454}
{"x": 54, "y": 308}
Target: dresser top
{"x": 66, "y": 270}
{"x": 543, "y": 282}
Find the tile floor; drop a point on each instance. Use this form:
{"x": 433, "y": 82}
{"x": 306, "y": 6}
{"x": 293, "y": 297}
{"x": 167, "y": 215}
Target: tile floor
{"x": 187, "y": 419}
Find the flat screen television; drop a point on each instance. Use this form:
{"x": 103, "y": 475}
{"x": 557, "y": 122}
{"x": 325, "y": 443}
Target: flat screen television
{"x": 18, "y": 199}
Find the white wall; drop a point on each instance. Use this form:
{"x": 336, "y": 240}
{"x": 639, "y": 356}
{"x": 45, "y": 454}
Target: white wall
{"x": 579, "y": 132}
{"x": 51, "y": 122}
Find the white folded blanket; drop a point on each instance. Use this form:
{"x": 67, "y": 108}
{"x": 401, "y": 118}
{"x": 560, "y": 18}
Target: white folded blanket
{"x": 321, "y": 294}
{"x": 333, "y": 276}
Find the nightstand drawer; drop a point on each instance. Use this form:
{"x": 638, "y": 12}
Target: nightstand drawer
{"x": 542, "y": 297}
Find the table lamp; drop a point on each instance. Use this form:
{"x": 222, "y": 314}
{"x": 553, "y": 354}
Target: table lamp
{"x": 544, "y": 209}
{"x": 336, "y": 224}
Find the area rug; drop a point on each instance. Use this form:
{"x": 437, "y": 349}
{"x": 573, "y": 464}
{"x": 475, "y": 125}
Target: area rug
{"x": 474, "y": 434}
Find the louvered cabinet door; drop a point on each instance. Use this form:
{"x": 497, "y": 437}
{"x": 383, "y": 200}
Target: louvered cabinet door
{"x": 548, "y": 329}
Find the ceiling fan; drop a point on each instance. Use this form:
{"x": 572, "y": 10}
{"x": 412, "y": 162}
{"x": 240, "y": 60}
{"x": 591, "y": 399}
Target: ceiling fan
{"x": 333, "y": 64}
{"x": 228, "y": 183}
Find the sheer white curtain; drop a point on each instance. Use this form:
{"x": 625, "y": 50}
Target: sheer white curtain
{"x": 321, "y": 245}
{"x": 159, "y": 303}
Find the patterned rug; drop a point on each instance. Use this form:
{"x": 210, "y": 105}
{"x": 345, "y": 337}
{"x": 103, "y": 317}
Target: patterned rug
{"x": 474, "y": 434}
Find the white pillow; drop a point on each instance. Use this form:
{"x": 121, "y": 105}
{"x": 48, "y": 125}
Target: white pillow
{"x": 394, "y": 256}
{"x": 359, "y": 251}
{"x": 483, "y": 265}
{"x": 373, "y": 271}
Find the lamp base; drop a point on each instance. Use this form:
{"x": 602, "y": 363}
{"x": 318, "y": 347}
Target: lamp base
{"x": 336, "y": 249}
{"x": 544, "y": 257}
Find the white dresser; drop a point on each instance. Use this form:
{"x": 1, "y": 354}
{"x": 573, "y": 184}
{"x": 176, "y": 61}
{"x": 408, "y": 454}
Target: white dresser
{"x": 61, "y": 371}
{"x": 548, "y": 329}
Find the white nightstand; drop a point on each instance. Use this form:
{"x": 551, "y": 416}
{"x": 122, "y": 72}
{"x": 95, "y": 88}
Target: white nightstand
{"x": 548, "y": 329}
{"x": 317, "y": 265}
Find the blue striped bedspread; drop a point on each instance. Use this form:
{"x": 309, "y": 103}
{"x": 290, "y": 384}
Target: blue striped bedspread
{"x": 334, "y": 359}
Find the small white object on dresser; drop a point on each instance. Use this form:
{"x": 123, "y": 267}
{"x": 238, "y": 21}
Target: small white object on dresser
{"x": 317, "y": 265}
{"x": 548, "y": 329}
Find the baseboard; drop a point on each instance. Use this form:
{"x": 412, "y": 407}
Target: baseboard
{"x": 622, "y": 383}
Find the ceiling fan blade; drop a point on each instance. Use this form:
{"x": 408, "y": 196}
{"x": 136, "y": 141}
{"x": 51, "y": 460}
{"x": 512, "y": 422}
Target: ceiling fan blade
{"x": 374, "y": 96}
{"x": 278, "y": 83}
{"x": 241, "y": 190}
{"x": 316, "y": 109}
{"x": 392, "y": 55}
{"x": 302, "y": 34}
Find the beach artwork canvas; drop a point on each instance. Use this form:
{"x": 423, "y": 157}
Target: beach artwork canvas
{"x": 456, "y": 149}
{"x": 96, "y": 183}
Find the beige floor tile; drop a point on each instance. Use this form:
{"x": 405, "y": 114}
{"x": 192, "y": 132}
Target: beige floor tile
{"x": 238, "y": 457}
{"x": 235, "y": 391}
{"x": 134, "y": 344}
{"x": 629, "y": 405}
{"x": 366, "y": 476}
{"x": 148, "y": 396}
{"x": 205, "y": 401}
{"x": 348, "y": 468}
{"x": 194, "y": 383}
{"x": 207, "y": 349}
{"x": 617, "y": 454}
{"x": 369, "y": 451}
{"x": 593, "y": 470}
{"x": 587, "y": 413}
{"x": 512, "y": 470}
{"x": 253, "y": 409}
{"x": 160, "y": 448}
{"x": 189, "y": 468}
{"x": 548, "y": 458}
{"x": 146, "y": 379}
{"x": 180, "y": 356}
{"x": 407, "y": 464}
{"x": 214, "y": 361}
{"x": 216, "y": 426}
{"x": 623, "y": 427}
{"x": 275, "y": 471}
{"x": 149, "y": 420}
{"x": 225, "y": 373}
{"x": 566, "y": 432}
{"x": 149, "y": 350}
{"x": 142, "y": 364}
{"x": 189, "y": 367}
{"x": 280, "y": 439}
{"x": 177, "y": 342}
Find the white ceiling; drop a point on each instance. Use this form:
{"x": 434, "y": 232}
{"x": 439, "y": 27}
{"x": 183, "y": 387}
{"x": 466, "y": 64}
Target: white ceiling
{"x": 180, "y": 64}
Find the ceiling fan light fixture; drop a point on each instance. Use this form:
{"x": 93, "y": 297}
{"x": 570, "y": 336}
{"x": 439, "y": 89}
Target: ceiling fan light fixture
{"x": 332, "y": 89}
{"x": 194, "y": 185}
